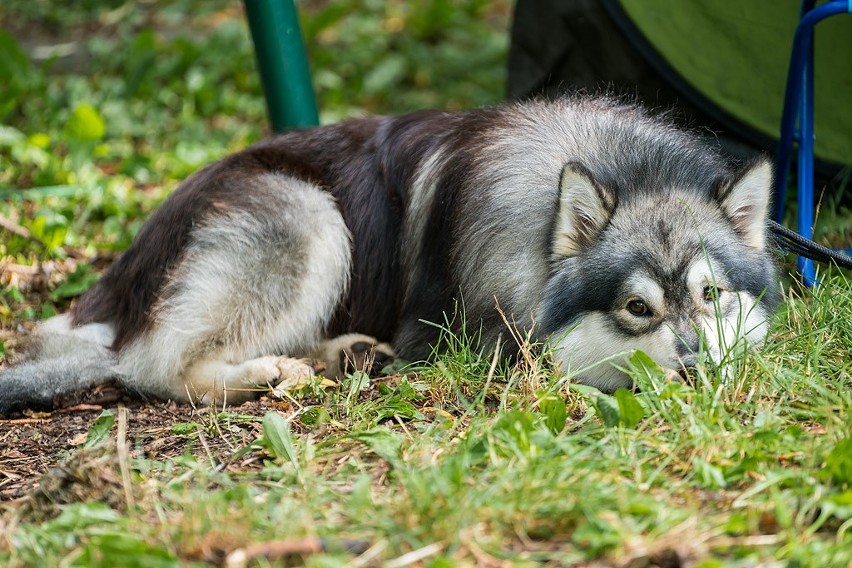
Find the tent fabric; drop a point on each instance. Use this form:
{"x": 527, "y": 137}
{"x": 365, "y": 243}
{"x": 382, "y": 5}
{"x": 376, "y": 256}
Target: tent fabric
{"x": 721, "y": 64}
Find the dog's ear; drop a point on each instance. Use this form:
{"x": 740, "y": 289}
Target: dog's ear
{"x": 584, "y": 209}
{"x": 745, "y": 200}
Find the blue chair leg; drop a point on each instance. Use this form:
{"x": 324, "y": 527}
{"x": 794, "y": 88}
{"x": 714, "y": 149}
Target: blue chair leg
{"x": 797, "y": 123}
{"x": 789, "y": 131}
{"x": 805, "y": 174}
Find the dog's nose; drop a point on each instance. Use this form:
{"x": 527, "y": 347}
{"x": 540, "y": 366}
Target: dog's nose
{"x": 687, "y": 363}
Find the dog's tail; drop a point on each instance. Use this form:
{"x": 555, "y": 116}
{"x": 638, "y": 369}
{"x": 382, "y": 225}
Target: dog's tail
{"x": 61, "y": 361}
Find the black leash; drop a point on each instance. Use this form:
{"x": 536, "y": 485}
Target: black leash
{"x": 792, "y": 241}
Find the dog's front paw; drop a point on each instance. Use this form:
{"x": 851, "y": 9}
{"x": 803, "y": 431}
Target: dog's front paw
{"x": 289, "y": 369}
{"x": 352, "y": 352}
{"x": 214, "y": 381}
{"x": 365, "y": 355}
{"x": 291, "y": 374}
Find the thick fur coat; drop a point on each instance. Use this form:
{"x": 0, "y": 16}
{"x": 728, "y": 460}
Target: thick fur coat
{"x": 595, "y": 226}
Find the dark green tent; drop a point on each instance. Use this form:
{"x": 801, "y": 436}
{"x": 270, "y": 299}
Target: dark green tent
{"x": 721, "y": 63}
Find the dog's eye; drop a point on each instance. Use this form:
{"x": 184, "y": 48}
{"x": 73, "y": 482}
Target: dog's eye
{"x": 638, "y": 308}
{"x": 710, "y": 294}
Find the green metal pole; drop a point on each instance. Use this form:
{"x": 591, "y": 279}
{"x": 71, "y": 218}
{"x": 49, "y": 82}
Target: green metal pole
{"x": 283, "y": 64}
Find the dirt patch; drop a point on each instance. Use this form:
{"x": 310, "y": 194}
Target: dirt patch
{"x": 45, "y": 454}
{"x": 38, "y": 447}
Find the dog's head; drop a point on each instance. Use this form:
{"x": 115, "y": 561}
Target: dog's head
{"x": 681, "y": 273}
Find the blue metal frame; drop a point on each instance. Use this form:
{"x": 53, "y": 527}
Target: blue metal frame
{"x": 797, "y": 122}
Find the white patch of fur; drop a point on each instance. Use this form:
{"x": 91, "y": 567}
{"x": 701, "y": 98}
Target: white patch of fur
{"x": 56, "y": 324}
{"x": 728, "y": 337}
{"x": 216, "y": 314}
{"x": 747, "y": 203}
{"x": 102, "y": 334}
{"x": 702, "y": 273}
{"x": 732, "y": 323}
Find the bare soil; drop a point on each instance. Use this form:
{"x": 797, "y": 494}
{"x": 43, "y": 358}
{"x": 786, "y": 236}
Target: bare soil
{"x": 37, "y": 447}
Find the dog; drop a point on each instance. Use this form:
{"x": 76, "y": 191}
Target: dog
{"x": 594, "y": 225}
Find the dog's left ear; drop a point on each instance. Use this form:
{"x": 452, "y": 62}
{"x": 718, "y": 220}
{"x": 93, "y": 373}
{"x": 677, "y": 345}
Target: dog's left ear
{"x": 584, "y": 209}
{"x": 745, "y": 201}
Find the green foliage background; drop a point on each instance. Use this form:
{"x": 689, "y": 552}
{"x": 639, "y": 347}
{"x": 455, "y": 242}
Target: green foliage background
{"x": 463, "y": 462}
{"x": 106, "y": 106}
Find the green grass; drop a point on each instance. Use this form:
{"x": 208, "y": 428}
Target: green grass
{"x": 754, "y": 471}
{"x": 466, "y": 462}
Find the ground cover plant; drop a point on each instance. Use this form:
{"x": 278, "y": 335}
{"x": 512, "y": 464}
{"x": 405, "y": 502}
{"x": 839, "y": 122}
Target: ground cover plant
{"x": 468, "y": 461}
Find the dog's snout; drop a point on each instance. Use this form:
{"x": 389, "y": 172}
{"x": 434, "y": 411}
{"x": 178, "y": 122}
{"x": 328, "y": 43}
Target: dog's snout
{"x": 688, "y": 361}
{"x": 687, "y": 364}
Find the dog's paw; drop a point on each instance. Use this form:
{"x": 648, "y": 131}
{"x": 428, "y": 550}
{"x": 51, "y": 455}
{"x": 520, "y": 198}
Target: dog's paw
{"x": 352, "y": 352}
{"x": 365, "y": 355}
{"x": 214, "y": 381}
{"x": 289, "y": 368}
{"x": 291, "y": 373}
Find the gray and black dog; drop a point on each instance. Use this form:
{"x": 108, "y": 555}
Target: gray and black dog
{"x": 594, "y": 226}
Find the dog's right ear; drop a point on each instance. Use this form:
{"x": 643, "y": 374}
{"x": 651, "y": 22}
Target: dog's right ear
{"x": 584, "y": 209}
{"x": 745, "y": 201}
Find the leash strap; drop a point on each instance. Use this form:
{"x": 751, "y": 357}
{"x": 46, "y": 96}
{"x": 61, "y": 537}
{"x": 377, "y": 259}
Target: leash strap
{"x": 792, "y": 241}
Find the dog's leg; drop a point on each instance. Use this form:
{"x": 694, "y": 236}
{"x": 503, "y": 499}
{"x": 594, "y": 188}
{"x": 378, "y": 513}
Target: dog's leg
{"x": 260, "y": 279}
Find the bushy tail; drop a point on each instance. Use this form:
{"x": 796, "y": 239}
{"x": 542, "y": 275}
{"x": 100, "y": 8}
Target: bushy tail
{"x": 60, "y": 364}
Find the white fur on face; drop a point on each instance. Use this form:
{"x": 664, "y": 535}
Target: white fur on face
{"x": 593, "y": 347}
{"x": 730, "y": 336}
{"x": 732, "y": 323}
